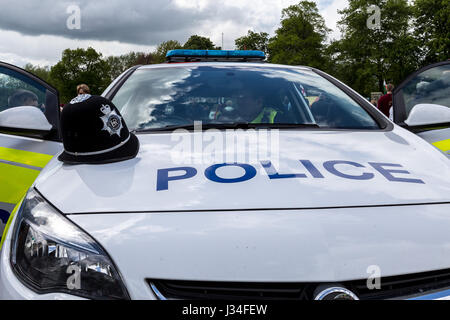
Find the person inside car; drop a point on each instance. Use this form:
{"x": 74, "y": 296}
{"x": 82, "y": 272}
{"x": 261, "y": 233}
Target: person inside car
{"x": 252, "y": 109}
{"x": 322, "y": 110}
{"x": 23, "y": 97}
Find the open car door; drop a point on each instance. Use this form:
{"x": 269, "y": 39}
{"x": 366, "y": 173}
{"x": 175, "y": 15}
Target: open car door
{"x": 29, "y": 133}
{"x": 421, "y": 104}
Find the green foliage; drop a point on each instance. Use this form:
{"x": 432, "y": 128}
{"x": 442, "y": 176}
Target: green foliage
{"x": 253, "y": 41}
{"x": 41, "y": 72}
{"x": 364, "y": 56}
{"x": 432, "y": 29}
{"x": 146, "y": 58}
{"x": 411, "y": 34}
{"x": 165, "y": 47}
{"x": 199, "y": 43}
{"x": 118, "y": 64}
{"x": 301, "y": 38}
{"x": 80, "y": 66}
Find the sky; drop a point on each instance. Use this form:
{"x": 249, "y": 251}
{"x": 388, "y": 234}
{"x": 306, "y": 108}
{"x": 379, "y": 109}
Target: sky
{"x": 37, "y": 32}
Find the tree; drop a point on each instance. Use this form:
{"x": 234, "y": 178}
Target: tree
{"x": 41, "y": 72}
{"x": 165, "y": 47}
{"x": 80, "y": 66}
{"x": 147, "y": 58}
{"x": 118, "y": 64}
{"x": 432, "y": 29}
{"x": 367, "y": 56}
{"x": 301, "y": 38}
{"x": 253, "y": 41}
{"x": 199, "y": 43}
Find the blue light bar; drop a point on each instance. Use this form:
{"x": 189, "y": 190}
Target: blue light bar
{"x": 185, "y": 53}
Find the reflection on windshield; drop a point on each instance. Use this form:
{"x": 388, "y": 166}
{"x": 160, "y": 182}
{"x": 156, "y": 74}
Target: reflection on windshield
{"x": 180, "y": 95}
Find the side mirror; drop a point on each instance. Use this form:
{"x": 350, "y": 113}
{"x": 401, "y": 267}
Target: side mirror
{"x": 29, "y": 118}
{"x": 428, "y": 114}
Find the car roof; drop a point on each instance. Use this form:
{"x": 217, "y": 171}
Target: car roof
{"x": 215, "y": 63}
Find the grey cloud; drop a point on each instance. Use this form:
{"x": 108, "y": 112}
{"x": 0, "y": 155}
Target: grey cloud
{"x": 132, "y": 21}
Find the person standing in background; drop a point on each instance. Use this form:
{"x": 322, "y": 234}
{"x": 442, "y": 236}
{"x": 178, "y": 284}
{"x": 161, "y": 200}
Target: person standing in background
{"x": 385, "y": 101}
{"x": 373, "y": 102}
{"x": 83, "y": 92}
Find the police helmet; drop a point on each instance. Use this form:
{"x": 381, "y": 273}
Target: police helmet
{"x": 94, "y": 132}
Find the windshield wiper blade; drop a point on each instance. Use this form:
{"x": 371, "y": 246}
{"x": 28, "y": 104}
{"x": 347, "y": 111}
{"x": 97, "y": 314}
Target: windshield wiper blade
{"x": 234, "y": 125}
{"x": 291, "y": 125}
{"x": 204, "y": 126}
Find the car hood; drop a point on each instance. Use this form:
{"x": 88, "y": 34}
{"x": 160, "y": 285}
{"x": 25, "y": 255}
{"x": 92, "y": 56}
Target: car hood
{"x": 311, "y": 245}
{"x": 132, "y": 185}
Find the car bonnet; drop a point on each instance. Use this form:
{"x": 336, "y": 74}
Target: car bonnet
{"x": 307, "y": 169}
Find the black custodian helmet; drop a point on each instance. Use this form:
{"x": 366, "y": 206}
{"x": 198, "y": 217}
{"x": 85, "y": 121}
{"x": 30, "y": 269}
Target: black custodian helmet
{"x": 94, "y": 132}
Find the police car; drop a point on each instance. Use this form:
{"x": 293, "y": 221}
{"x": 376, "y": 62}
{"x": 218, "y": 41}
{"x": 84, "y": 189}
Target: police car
{"x": 217, "y": 175}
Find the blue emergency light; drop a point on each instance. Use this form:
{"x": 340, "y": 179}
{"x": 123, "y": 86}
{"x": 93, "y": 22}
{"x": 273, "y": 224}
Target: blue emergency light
{"x": 214, "y": 55}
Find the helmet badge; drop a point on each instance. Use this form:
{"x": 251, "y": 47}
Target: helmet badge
{"x": 112, "y": 122}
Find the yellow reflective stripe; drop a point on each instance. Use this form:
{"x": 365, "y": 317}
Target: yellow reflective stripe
{"x": 9, "y": 222}
{"x": 272, "y": 115}
{"x": 443, "y": 145}
{"x": 26, "y": 157}
{"x": 14, "y": 182}
{"x": 258, "y": 118}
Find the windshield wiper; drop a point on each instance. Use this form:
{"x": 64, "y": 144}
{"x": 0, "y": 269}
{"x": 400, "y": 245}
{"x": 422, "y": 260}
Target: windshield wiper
{"x": 234, "y": 125}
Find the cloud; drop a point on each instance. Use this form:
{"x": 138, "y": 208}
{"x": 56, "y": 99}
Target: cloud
{"x": 329, "y": 10}
{"x": 36, "y": 31}
{"x": 45, "y": 50}
{"x": 133, "y": 21}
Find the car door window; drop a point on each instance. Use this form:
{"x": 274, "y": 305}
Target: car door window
{"x": 431, "y": 86}
{"x": 18, "y": 89}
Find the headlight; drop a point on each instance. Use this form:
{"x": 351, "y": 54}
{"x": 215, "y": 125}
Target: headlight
{"x": 51, "y": 254}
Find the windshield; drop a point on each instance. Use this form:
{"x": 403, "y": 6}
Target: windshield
{"x": 154, "y": 98}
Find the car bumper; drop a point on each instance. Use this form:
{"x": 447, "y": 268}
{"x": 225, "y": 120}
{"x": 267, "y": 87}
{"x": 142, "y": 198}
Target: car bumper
{"x": 12, "y": 288}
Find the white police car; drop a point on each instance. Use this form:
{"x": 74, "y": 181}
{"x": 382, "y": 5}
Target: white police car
{"x": 253, "y": 180}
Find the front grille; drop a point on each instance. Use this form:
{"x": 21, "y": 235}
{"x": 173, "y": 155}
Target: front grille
{"x": 172, "y": 289}
{"x": 403, "y": 286}
{"x": 395, "y": 287}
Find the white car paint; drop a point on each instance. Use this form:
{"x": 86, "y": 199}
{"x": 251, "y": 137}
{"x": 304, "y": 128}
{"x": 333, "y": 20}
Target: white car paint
{"x": 288, "y": 230}
{"x": 315, "y": 245}
{"x": 130, "y": 186}
{"x": 302, "y": 243}
{"x": 24, "y": 117}
{"x": 427, "y": 114}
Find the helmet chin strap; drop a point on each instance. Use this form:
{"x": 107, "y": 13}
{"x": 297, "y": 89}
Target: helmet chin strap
{"x": 98, "y": 152}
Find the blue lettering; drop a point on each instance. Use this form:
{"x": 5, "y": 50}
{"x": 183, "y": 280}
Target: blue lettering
{"x": 387, "y": 173}
{"x": 163, "y": 175}
{"x": 163, "y": 178}
{"x": 273, "y": 174}
{"x": 330, "y": 166}
{"x": 312, "y": 169}
{"x": 210, "y": 173}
